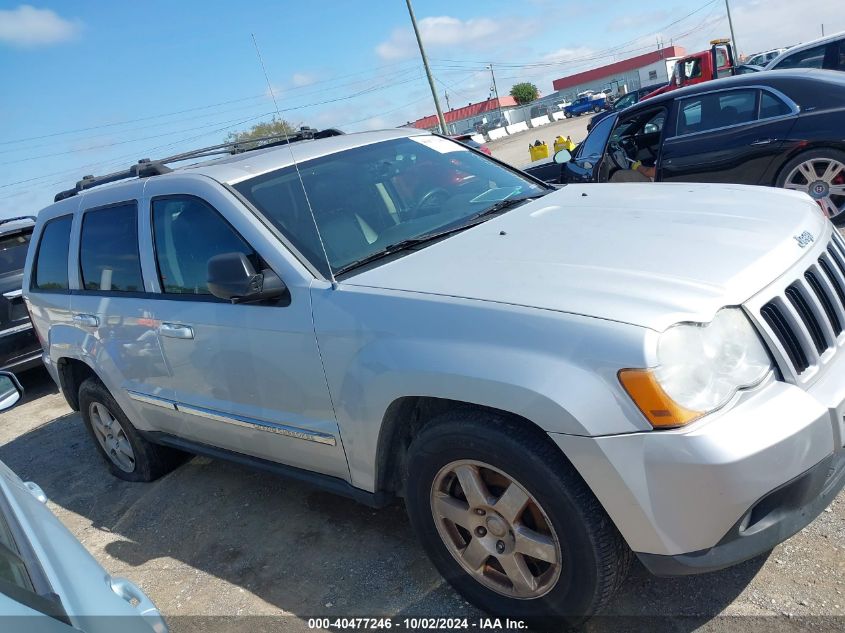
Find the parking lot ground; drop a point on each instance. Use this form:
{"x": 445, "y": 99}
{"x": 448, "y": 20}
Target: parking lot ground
{"x": 514, "y": 149}
{"x": 213, "y": 540}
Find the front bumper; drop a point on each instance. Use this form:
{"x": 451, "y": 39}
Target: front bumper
{"x": 777, "y": 516}
{"x": 729, "y": 487}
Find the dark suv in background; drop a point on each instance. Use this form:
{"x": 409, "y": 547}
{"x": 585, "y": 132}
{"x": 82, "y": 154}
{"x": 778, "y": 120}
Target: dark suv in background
{"x": 19, "y": 347}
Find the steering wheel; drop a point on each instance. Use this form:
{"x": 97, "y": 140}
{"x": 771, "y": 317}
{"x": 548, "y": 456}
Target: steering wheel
{"x": 430, "y": 202}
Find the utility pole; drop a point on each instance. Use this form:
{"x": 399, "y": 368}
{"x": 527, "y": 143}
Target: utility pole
{"x": 731, "y": 25}
{"x": 427, "y": 69}
{"x": 496, "y": 92}
{"x": 446, "y": 96}
{"x": 822, "y": 30}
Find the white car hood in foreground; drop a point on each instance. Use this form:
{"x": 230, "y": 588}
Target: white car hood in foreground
{"x": 647, "y": 254}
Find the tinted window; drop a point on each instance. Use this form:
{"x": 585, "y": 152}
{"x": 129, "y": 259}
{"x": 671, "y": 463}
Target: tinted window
{"x": 717, "y": 110}
{"x": 771, "y": 106}
{"x": 108, "y": 250}
{"x": 626, "y": 101}
{"x": 841, "y": 56}
{"x": 594, "y": 144}
{"x": 810, "y": 58}
{"x": 51, "y": 262}
{"x": 188, "y": 232}
{"x": 13, "y": 252}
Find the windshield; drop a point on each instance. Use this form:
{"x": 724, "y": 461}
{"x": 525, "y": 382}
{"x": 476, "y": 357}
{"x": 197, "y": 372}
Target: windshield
{"x": 13, "y": 252}
{"x": 369, "y": 198}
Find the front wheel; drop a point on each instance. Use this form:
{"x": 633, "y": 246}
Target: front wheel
{"x": 509, "y": 522}
{"x": 596, "y": 109}
{"x": 568, "y": 115}
{"x": 820, "y": 173}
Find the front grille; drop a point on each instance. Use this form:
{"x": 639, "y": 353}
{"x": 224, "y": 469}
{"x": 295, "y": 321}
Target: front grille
{"x": 808, "y": 318}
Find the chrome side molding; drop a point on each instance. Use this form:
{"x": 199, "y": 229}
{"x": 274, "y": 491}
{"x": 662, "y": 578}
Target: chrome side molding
{"x": 236, "y": 420}
{"x": 261, "y": 425}
{"x": 153, "y": 400}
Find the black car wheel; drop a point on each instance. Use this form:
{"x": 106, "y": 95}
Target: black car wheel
{"x": 820, "y": 173}
{"x": 509, "y": 522}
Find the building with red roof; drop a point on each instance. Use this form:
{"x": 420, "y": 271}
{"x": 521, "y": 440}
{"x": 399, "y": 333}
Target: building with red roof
{"x": 461, "y": 119}
{"x": 643, "y": 70}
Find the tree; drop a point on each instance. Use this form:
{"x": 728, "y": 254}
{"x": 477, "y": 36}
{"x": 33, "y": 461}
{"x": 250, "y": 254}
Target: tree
{"x": 524, "y": 92}
{"x": 270, "y": 128}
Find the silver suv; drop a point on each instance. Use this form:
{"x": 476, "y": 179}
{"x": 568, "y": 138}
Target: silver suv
{"x": 552, "y": 379}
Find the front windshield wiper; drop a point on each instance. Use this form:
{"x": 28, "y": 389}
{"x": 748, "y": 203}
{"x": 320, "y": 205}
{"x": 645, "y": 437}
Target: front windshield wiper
{"x": 472, "y": 220}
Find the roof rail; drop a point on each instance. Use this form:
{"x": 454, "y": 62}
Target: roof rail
{"x": 20, "y": 217}
{"x": 145, "y": 167}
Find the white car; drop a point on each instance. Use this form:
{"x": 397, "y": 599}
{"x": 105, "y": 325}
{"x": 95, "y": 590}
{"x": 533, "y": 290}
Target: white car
{"x": 826, "y": 52}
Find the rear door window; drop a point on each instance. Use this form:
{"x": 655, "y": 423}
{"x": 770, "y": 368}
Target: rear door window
{"x": 51, "y": 262}
{"x": 108, "y": 250}
{"x": 717, "y": 110}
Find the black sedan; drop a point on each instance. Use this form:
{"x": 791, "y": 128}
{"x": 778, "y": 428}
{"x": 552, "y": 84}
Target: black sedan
{"x": 783, "y": 128}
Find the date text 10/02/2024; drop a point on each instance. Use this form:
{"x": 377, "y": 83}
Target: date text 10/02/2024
{"x": 416, "y": 624}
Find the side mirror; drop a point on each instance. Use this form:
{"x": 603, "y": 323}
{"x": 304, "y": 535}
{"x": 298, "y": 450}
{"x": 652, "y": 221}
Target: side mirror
{"x": 10, "y": 390}
{"x": 563, "y": 156}
{"x": 231, "y": 276}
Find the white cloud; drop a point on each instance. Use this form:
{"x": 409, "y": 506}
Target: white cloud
{"x": 765, "y": 24}
{"x": 302, "y": 79}
{"x": 447, "y": 32}
{"x": 28, "y": 27}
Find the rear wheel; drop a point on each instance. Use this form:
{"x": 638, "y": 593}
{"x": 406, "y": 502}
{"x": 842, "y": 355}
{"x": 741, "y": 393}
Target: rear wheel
{"x": 128, "y": 455}
{"x": 568, "y": 115}
{"x": 509, "y": 523}
{"x": 819, "y": 173}
{"x": 596, "y": 109}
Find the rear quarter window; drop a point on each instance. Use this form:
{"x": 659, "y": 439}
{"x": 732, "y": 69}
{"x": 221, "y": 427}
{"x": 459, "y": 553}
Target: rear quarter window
{"x": 50, "y": 271}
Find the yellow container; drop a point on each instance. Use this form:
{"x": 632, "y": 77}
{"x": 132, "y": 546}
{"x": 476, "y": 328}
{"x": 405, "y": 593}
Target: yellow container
{"x": 560, "y": 143}
{"x": 538, "y": 152}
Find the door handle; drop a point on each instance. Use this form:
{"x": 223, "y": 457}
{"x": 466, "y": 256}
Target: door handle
{"x": 86, "y": 320}
{"x": 764, "y": 141}
{"x": 176, "y": 330}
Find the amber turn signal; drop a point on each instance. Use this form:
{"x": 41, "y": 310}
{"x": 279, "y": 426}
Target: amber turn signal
{"x": 658, "y": 408}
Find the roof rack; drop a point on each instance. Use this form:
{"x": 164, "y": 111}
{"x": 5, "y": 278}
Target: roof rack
{"x": 145, "y": 167}
{"x": 20, "y": 217}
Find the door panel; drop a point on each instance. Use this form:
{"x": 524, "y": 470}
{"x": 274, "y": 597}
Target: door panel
{"x": 247, "y": 378}
{"x": 721, "y": 140}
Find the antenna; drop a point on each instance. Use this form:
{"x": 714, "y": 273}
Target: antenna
{"x": 295, "y": 164}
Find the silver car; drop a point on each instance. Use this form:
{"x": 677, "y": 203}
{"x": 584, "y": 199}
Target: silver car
{"x": 49, "y": 583}
{"x": 552, "y": 379}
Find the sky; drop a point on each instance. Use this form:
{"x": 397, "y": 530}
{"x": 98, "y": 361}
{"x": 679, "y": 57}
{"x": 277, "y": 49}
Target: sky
{"x": 92, "y": 86}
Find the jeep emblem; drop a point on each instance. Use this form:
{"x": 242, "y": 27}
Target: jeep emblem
{"x": 805, "y": 238}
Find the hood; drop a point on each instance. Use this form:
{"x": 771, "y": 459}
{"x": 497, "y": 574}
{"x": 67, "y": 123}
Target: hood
{"x": 646, "y": 254}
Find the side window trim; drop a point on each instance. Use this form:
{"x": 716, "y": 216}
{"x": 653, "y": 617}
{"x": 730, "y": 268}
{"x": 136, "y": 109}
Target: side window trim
{"x": 161, "y": 293}
{"x": 33, "y": 279}
{"x": 794, "y": 109}
{"x": 81, "y": 279}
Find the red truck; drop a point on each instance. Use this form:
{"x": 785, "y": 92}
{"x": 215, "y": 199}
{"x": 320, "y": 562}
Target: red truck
{"x": 717, "y": 62}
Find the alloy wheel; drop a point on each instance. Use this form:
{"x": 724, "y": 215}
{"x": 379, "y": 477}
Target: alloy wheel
{"x": 824, "y": 180}
{"x": 495, "y": 529}
{"x": 112, "y": 437}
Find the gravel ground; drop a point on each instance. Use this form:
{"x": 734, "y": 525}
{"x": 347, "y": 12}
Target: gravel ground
{"x": 212, "y": 540}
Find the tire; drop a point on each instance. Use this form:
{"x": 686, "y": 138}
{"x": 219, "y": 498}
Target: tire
{"x": 568, "y": 115}
{"x": 790, "y": 177}
{"x": 596, "y": 109}
{"x": 569, "y": 519}
{"x": 148, "y": 461}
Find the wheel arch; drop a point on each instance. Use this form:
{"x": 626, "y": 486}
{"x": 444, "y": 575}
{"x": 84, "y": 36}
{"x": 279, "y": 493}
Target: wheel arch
{"x": 803, "y": 148}
{"x": 406, "y": 416}
{"x": 72, "y": 373}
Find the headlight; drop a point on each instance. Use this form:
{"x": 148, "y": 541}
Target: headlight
{"x": 700, "y": 368}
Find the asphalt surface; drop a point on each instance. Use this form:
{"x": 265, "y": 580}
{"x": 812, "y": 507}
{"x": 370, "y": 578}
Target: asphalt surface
{"x": 212, "y": 540}
{"x": 514, "y": 149}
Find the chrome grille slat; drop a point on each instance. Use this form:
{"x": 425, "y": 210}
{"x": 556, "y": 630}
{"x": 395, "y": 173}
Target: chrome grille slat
{"x": 801, "y": 330}
{"x": 804, "y": 322}
{"x": 827, "y": 298}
